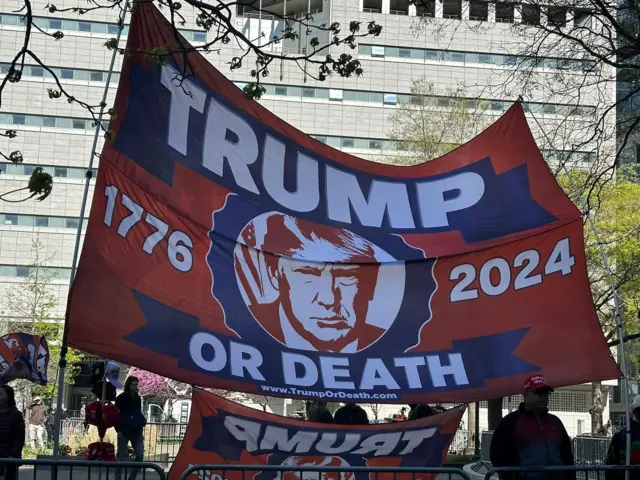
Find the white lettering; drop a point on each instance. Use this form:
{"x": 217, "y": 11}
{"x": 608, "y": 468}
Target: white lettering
{"x": 219, "y": 359}
{"x": 218, "y": 147}
{"x": 392, "y": 198}
{"x": 330, "y": 372}
{"x": 415, "y": 437}
{"x": 410, "y": 365}
{"x": 376, "y": 373}
{"x": 244, "y": 431}
{"x": 306, "y": 196}
{"x": 185, "y": 95}
{"x": 434, "y": 207}
{"x": 245, "y": 357}
{"x": 325, "y": 445}
{"x": 381, "y": 444}
{"x": 455, "y": 368}
{"x": 309, "y": 376}
{"x": 278, "y": 438}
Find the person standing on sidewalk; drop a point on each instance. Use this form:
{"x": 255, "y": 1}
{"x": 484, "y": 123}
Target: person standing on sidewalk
{"x": 532, "y": 437}
{"x": 37, "y": 417}
{"x": 12, "y": 431}
{"x": 617, "y": 454}
{"x": 351, "y": 414}
{"x": 131, "y": 426}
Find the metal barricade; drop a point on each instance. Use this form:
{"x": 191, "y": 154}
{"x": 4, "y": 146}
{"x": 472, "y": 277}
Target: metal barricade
{"x": 162, "y": 442}
{"x": 307, "y": 472}
{"x": 563, "y": 473}
{"x": 57, "y": 469}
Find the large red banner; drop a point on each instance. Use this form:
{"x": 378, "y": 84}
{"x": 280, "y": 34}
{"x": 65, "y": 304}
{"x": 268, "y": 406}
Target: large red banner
{"x": 222, "y": 432}
{"x": 229, "y": 250}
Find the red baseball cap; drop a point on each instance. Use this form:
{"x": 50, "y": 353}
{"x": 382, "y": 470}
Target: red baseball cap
{"x": 537, "y": 383}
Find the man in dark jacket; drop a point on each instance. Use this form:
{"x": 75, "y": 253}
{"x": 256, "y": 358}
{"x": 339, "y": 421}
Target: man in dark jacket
{"x": 617, "y": 454}
{"x": 532, "y": 437}
{"x": 351, "y": 414}
{"x": 318, "y": 412}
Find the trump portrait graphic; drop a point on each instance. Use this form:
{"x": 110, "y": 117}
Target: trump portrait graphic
{"x": 319, "y": 306}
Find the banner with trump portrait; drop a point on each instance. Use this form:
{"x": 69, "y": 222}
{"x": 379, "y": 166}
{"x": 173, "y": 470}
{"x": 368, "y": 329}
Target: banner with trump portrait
{"x": 227, "y": 249}
{"x": 222, "y": 432}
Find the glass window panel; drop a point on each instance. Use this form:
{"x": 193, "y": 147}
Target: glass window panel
{"x": 66, "y": 73}
{"x": 13, "y": 169}
{"x": 125, "y": 30}
{"x": 82, "y": 75}
{"x": 308, "y": 92}
{"x": 363, "y": 96}
{"x": 471, "y": 58}
{"x": 391, "y": 52}
{"x": 48, "y": 170}
{"x": 457, "y": 57}
{"x": 388, "y": 145}
{"x": 99, "y": 28}
{"x": 10, "y": 219}
{"x": 404, "y": 52}
{"x": 18, "y": 119}
{"x": 361, "y": 143}
{"x": 404, "y": 98}
{"x": 7, "y": 271}
{"x": 348, "y": 143}
{"x": 333, "y": 141}
{"x": 115, "y": 78}
{"x": 535, "y": 108}
{"x": 22, "y": 20}
{"x": 322, "y": 93}
{"x": 63, "y": 122}
{"x": 42, "y": 221}
{"x": 22, "y": 271}
{"x": 282, "y": 91}
{"x": 3, "y": 167}
{"x": 364, "y": 49}
{"x": 26, "y": 220}
{"x": 375, "y": 97}
{"x": 377, "y": 51}
{"x": 34, "y": 121}
{"x": 57, "y": 222}
{"x": 97, "y": 76}
{"x": 79, "y": 124}
{"x": 84, "y": 26}
{"x": 28, "y": 169}
{"x": 6, "y": 118}
{"x": 55, "y": 24}
{"x": 112, "y": 29}
{"x": 75, "y": 173}
{"x": 549, "y": 109}
{"x": 497, "y": 106}
{"x": 37, "y": 71}
{"x": 509, "y": 60}
{"x": 350, "y": 95}
{"x": 417, "y": 54}
{"x": 443, "y": 102}
{"x": 9, "y": 20}
{"x": 375, "y": 144}
{"x": 72, "y": 222}
{"x": 4, "y": 68}
{"x": 335, "y": 94}
{"x": 484, "y": 58}
{"x": 69, "y": 25}
{"x": 294, "y": 92}
{"x": 322, "y": 139}
{"x": 60, "y": 172}
{"x": 430, "y": 55}
{"x": 390, "y": 98}
{"x": 199, "y": 37}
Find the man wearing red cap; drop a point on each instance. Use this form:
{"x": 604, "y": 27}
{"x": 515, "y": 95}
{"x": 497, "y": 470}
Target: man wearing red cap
{"x": 531, "y": 436}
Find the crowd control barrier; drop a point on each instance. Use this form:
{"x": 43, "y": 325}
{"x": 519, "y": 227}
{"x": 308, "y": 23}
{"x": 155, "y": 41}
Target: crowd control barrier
{"x": 563, "y": 473}
{"x": 58, "y": 469}
{"x": 282, "y": 472}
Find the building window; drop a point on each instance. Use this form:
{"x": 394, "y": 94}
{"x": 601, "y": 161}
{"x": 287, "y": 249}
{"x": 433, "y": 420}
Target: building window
{"x": 504, "y": 12}
{"x": 398, "y": 7}
{"x": 426, "y": 8}
{"x": 530, "y": 14}
{"x": 478, "y": 10}
{"x": 452, "y": 9}
{"x": 582, "y": 18}
{"x": 377, "y": 51}
{"x": 557, "y": 16}
{"x": 372, "y": 6}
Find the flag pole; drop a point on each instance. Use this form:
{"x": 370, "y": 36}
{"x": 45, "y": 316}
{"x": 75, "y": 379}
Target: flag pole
{"x": 76, "y": 249}
{"x": 614, "y": 291}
